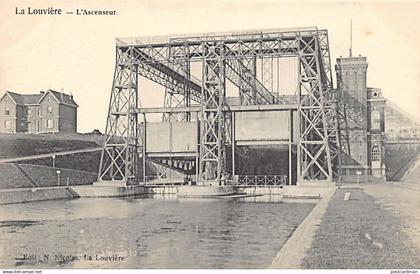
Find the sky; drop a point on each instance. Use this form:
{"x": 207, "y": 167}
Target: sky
{"x": 76, "y": 54}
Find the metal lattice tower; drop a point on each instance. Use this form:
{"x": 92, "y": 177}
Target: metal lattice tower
{"x": 119, "y": 157}
{"x": 233, "y": 57}
{"x": 314, "y": 151}
{"x": 212, "y": 150}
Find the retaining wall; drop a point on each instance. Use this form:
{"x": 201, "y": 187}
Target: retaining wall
{"x": 47, "y": 176}
{"x": 108, "y": 191}
{"x": 14, "y": 196}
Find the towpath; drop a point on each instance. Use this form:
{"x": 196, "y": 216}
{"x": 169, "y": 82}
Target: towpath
{"x": 362, "y": 226}
{"x": 48, "y": 155}
{"x": 375, "y": 226}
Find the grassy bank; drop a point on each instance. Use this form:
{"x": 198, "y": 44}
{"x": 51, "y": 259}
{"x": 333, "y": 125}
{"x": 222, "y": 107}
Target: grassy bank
{"x": 25, "y": 176}
{"x": 86, "y": 161}
{"x": 359, "y": 233}
{"x": 16, "y": 145}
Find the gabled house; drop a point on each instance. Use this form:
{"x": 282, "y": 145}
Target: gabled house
{"x": 45, "y": 112}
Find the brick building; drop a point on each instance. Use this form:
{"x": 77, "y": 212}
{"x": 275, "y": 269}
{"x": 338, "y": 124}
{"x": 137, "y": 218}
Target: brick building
{"x": 365, "y": 121}
{"x": 45, "y": 112}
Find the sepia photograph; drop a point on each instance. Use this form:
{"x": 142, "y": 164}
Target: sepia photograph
{"x": 209, "y": 135}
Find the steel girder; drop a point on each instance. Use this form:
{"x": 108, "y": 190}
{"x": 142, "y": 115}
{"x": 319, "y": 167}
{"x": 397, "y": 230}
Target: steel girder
{"x": 277, "y": 46}
{"x": 181, "y": 86}
{"x": 182, "y": 165}
{"x": 168, "y": 72}
{"x": 119, "y": 158}
{"x": 241, "y": 72}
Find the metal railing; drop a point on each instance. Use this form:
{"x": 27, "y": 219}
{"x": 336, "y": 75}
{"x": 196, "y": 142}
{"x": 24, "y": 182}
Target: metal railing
{"x": 261, "y": 180}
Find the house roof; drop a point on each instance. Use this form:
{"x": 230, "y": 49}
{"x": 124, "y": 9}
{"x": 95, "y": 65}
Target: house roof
{"x": 24, "y": 99}
{"x": 63, "y": 98}
{"x": 31, "y": 99}
{"x": 35, "y": 99}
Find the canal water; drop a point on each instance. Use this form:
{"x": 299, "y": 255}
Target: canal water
{"x": 146, "y": 233}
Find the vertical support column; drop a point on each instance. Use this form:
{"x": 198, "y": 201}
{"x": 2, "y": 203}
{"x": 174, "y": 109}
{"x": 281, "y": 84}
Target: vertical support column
{"x": 233, "y": 136}
{"x": 197, "y": 155}
{"x": 187, "y": 73}
{"x": 299, "y": 158}
{"x": 290, "y": 145}
{"x": 278, "y": 75}
{"x": 267, "y": 72}
{"x": 144, "y": 148}
{"x": 252, "y": 75}
{"x": 180, "y": 62}
{"x": 212, "y": 146}
{"x": 267, "y": 62}
{"x": 334, "y": 114}
{"x": 314, "y": 159}
{"x": 326, "y": 127}
{"x": 168, "y": 98}
{"x": 119, "y": 156}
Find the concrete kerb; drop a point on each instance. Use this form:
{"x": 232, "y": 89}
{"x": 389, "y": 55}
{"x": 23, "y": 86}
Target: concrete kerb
{"x": 293, "y": 251}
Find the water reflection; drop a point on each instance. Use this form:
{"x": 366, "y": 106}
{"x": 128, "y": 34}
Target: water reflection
{"x": 148, "y": 233}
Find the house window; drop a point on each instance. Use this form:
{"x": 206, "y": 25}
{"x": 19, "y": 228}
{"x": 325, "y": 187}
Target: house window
{"x": 7, "y": 111}
{"x": 39, "y": 112}
{"x": 376, "y": 119}
{"x": 30, "y": 112}
{"x": 49, "y": 109}
{"x": 376, "y": 154}
{"x": 7, "y": 125}
{"x": 360, "y": 157}
{"x": 49, "y": 123}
